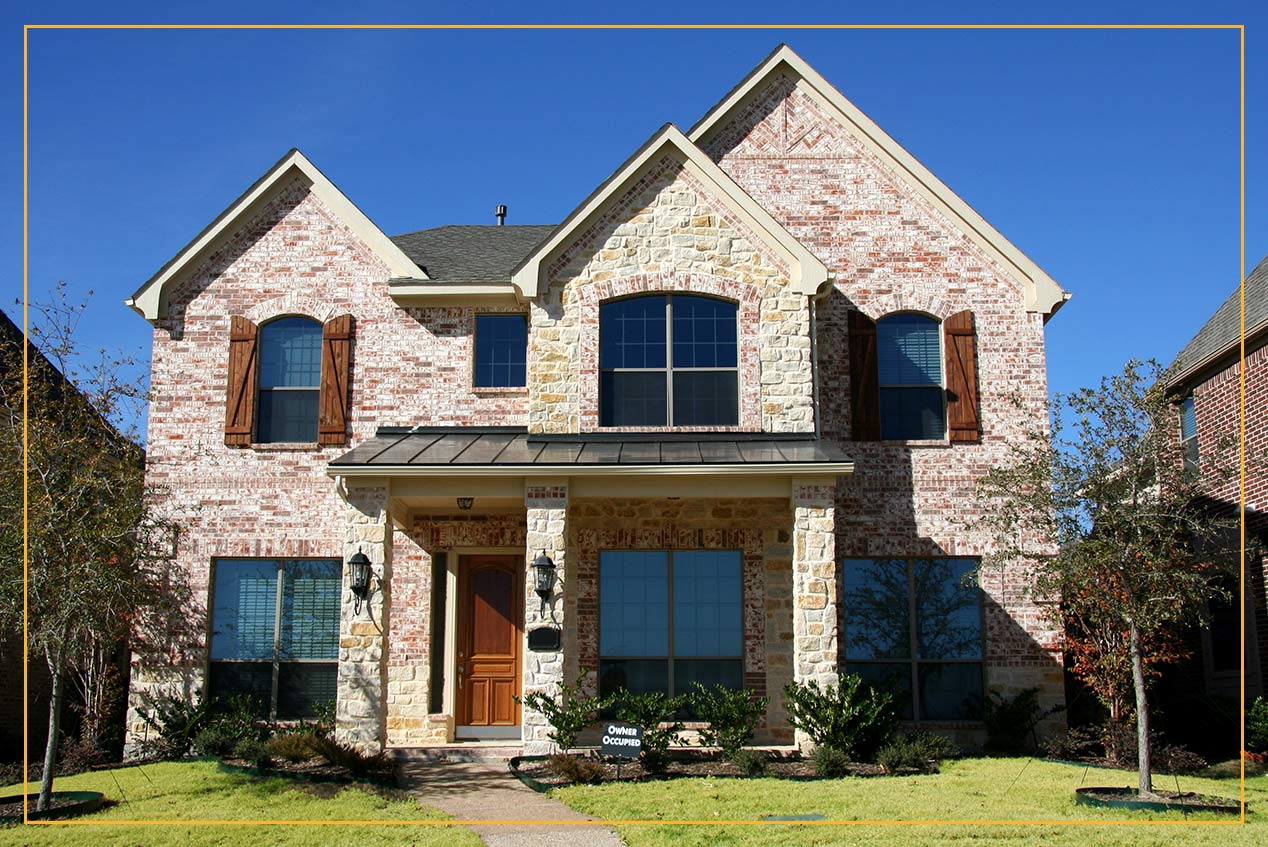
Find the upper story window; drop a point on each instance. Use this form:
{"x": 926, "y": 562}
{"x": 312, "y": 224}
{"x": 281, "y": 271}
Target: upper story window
{"x": 1189, "y": 434}
{"x": 501, "y": 351}
{"x": 909, "y": 359}
{"x": 668, "y": 360}
{"x": 290, "y": 380}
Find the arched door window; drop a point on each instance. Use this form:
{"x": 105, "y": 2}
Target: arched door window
{"x": 290, "y": 380}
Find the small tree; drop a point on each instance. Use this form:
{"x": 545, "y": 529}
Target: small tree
{"x": 84, "y": 501}
{"x": 1108, "y": 484}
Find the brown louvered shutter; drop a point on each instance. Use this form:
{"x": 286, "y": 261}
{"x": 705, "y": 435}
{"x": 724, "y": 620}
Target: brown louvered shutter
{"x": 865, "y": 400}
{"x": 962, "y": 406}
{"x": 244, "y": 343}
{"x": 336, "y": 352}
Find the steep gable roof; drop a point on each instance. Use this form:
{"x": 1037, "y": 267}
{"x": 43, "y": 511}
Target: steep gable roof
{"x": 471, "y": 253}
{"x": 807, "y": 271}
{"x": 1043, "y": 294}
{"x": 150, "y": 299}
{"x": 1223, "y": 330}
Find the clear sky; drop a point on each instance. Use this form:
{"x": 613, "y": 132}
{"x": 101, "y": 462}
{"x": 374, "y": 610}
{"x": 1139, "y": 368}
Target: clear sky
{"x": 1109, "y": 157}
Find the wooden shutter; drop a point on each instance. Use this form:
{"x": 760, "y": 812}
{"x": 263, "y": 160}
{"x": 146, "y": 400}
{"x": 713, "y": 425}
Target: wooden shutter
{"x": 865, "y": 399}
{"x": 244, "y": 355}
{"x": 336, "y": 350}
{"x": 962, "y": 405}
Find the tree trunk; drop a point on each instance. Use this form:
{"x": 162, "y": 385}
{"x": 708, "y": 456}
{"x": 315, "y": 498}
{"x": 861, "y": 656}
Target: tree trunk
{"x": 54, "y": 728}
{"x": 1142, "y": 714}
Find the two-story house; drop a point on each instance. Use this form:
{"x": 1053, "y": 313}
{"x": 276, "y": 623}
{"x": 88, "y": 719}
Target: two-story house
{"x": 720, "y": 425}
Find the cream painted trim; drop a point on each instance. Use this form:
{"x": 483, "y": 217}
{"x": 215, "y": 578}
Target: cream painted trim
{"x": 449, "y": 698}
{"x": 1043, "y": 294}
{"x": 807, "y": 271}
{"x": 150, "y": 299}
{"x": 410, "y": 292}
{"x": 787, "y": 469}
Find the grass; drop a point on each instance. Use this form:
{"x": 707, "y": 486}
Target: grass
{"x": 190, "y": 791}
{"x": 970, "y": 789}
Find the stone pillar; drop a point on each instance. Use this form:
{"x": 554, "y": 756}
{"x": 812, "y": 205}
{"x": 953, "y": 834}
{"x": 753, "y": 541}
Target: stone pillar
{"x": 360, "y": 714}
{"x": 814, "y": 577}
{"x": 547, "y": 505}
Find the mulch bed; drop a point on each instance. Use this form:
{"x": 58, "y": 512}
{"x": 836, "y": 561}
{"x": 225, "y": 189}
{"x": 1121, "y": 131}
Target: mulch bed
{"x": 781, "y": 767}
{"x": 14, "y": 810}
{"x": 1177, "y": 800}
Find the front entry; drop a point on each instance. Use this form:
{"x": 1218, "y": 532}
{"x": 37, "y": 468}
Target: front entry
{"x": 490, "y": 623}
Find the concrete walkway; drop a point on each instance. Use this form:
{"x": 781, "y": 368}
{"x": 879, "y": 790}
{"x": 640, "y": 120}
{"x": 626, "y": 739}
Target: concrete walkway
{"x": 473, "y": 791}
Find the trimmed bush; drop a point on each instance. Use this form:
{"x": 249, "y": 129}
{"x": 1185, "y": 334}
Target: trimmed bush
{"x": 852, "y": 718}
{"x": 1072, "y": 745}
{"x": 657, "y": 713}
{"x": 920, "y": 751}
{"x": 568, "y": 714}
{"x": 829, "y": 761}
{"x": 346, "y": 756}
{"x": 216, "y": 740}
{"x": 293, "y": 746}
{"x": 1257, "y": 726}
{"x": 576, "y": 768}
{"x": 732, "y": 716}
{"x": 1011, "y": 721}
{"x": 750, "y": 762}
{"x": 254, "y": 752}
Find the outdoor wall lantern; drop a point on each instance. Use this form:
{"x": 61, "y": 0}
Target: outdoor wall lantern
{"x": 359, "y": 574}
{"x": 543, "y": 577}
{"x": 465, "y": 503}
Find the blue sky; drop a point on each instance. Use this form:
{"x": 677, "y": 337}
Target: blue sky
{"x": 1109, "y": 157}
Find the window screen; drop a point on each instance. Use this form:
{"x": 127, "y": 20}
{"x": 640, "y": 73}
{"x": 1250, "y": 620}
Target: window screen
{"x": 909, "y": 363}
{"x": 290, "y": 380}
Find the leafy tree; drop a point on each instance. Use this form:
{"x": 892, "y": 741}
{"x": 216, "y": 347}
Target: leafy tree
{"x": 86, "y": 508}
{"x": 1134, "y": 541}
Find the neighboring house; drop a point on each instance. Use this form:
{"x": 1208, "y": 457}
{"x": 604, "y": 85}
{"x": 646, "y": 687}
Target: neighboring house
{"x": 1206, "y": 378}
{"x": 739, "y": 398}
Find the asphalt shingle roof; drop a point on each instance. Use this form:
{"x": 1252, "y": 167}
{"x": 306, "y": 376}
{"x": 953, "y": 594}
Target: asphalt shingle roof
{"x": 460, "y": 253}
{"x": 1223, "y": 330}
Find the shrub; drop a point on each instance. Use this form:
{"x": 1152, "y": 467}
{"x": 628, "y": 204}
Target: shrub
{"x": 1011, "y": 721}
{"x": 1176, "y": 759}
{"x": 750, "y": 762}
{"x": 852, "y": 718}
{"x": 920, "y": 751}
{"x": 732, "y": 716}
{"x": 1257, "y": 726}
{"x": 569, "y": 714}
{"x": 829, "y": 761}
{"x": 1122, "y": 751}
{"x": 346, "y": 756}
{"x": 576, "y": 768}
{"x": 78, "y": 755}
{"x": 176, "y": 722}
{"x": 294, "y": 746}
{"x": 254, "y": 752}
{"x": 217, "y": 739}
{"x": 1071, "y": 745}
{"x": 656, "y": 712}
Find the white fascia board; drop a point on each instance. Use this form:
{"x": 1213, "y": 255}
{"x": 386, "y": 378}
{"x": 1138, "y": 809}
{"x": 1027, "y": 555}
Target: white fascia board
{"x": 808, "y": 273}
{"x": 150, "y": 299}
{"x": 409, "y": 292}
{"x": 1043, "y": 294}
{"x": 790, "y": 469}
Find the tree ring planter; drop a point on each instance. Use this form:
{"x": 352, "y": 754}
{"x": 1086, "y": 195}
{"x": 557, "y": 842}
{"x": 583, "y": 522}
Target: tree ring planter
{"x": 384, "y": 781}
{"x": 1166, "y": 801}
{"x": 539, "y": 787}
{"x": 80, "y": 803}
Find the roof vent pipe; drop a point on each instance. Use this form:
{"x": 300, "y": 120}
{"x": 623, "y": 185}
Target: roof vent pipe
{"x": 499, "y": 212}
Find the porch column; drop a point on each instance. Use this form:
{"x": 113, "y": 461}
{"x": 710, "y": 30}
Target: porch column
{"x": 547, "y": 505}
{"x": 814, "y": 575}
{"x": 360, "y": 715}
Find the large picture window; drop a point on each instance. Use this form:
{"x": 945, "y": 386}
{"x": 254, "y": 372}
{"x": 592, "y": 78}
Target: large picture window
{"x": 290, "y": 380}
{"x": 668, "y": 619}
{"x": 909, "y": 363}
{"x": 668, "y": 360}
{"x": 914, "y": 627}
{"x": 275, "y": 633}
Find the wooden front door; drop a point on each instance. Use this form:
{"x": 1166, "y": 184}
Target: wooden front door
{"x": 490, "y": 622}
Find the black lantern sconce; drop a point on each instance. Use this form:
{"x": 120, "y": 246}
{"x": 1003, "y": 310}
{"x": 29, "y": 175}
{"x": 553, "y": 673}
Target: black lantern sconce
{"x": 465, "y": 503}
{"x": 543, "y": 577}
{"x": 359, "y": 575}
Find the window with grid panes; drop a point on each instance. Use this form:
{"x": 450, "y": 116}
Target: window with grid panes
{"x": 501, "y": 351}
{"x": 909, "y": 371}
{"x": 289, "y": 380}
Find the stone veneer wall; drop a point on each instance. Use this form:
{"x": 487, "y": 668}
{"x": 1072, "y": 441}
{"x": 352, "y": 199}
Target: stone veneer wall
{"x": 670, "y": 233}
{"x": 892, "y": 250}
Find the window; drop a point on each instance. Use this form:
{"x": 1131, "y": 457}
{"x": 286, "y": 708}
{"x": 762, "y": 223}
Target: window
{"x": 290, "y": 380}
{"x": 913, "y": 627}
{"x": 909, "y": 358}
{"x": 1189, "y": 435}
{"x": 501, "y": 351}
{"x": 668, "y": 619}
{"x": 275, "y": 633}
{"x": 668, "y": 359}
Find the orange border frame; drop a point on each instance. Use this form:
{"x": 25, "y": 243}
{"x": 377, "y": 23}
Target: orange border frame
{"x": 1241, "y": 28}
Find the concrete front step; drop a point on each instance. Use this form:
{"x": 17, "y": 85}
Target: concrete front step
{"x": 481, "y": 752}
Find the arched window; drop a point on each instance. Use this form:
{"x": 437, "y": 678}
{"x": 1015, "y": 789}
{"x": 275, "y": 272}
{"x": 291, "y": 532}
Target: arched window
{"x": 668, "y": 360}
{"x": 290, "y": 380}
{"x": 909, "y": 359}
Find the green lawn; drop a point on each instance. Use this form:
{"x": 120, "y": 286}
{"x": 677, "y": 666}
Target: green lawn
{"x": 194, "y": 791}
{"x": 971, "y": 789}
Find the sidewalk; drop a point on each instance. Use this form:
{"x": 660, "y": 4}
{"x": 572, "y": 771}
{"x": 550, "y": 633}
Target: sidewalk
{"x": 482, "y": 792}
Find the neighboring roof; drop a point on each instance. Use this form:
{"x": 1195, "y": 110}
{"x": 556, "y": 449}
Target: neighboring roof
{"x": 807, "y": 271}
{"x": 1223, "y": 331}
{"x": 150, "y": 299}
{"x": 1044, "y": 295}
{"x": 471, "y": 253}
{"x": 501, "y": 450}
